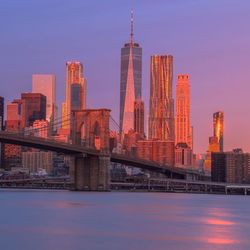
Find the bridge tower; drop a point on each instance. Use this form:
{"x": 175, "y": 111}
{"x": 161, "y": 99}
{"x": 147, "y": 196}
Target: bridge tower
{"x": 90, "y": 128}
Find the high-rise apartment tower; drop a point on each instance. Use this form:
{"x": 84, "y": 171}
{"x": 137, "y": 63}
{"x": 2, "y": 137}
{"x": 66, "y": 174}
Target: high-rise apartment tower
{"x": 161, "y": 105}
{"x": 183, "y": 131}
{"x": 218, "y": 124}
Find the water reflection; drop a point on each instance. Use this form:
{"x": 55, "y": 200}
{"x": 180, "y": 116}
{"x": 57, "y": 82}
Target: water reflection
{"x": 219, "y": 228}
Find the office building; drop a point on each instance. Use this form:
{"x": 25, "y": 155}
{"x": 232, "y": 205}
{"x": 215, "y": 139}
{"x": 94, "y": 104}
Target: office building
{"x": 46, "y": 84}
{"x": 139, "y": 117}
{"x": 183, "y": 156}
{"x": 12, "y": 153}
{"x": 130, "y": 81}
{"x": 1, "y": 128}
{"x": 75, "y": 90}
{"x": 183, "y": 130}
{"x": 231, "y": 167}
{"x": 161, "y": 105}
{"x": 162, "y": 152}
{"x": 218, "y": 124}
{"x": 33, "y": 108}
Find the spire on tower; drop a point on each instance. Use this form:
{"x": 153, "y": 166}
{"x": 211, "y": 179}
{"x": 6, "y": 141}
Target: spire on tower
{"x": 132, "y": 27}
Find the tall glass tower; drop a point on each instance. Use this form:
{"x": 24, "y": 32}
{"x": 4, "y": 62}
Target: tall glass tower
{"x": 218, "y": 122}
{"x": 130, "y": 81}
{"x": 161, "y": 104}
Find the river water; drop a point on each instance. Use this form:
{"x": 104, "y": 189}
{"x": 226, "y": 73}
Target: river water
{"x": 122, "y": 220}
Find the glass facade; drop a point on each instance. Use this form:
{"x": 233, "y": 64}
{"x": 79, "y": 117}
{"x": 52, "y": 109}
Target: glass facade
{"x": 75, "y": 96}
{"x": 130, "y": 83}
{"x": 161, "y": 105}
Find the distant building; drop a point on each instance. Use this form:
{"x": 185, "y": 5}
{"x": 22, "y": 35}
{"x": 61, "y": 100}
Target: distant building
{"x": 38, "y": 160}
{"x": 41, "y": 128}
{"x": 183, "y": 130}
{"x": 46, "y": 84}
{"x": 65, "y": 117}
{"x": 139, "y": 117}
{"x": 231, "y": 167}
{"x": 1, "y": 112}
{"x": 183, "y": 156}
{"x": 161, "y": 105}
{"x": 33, "y": 108}
{"x": 162, "y": 152}
{"x": 75, "y": 90}
{"x": 215, "y": 141}
{"x": 130, "y": 81}
{"x": 1, "y": 128}
{"x": 218, "y": 124}
{"x": 12, "y": 152}
{"x": 130, "y": 140}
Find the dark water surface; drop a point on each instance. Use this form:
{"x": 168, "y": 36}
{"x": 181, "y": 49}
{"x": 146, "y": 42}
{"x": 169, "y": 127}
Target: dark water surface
{"x": 82, "y": 220}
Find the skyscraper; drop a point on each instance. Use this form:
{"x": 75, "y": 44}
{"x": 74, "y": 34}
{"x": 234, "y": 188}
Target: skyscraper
{"x": 1, "y": 112}
{"x": 46, "y": 85}
{"x": 75, "y": 87}
{"x": 218, "y": 123}
{"x": 12, "y": 155}
{"x": 1, "y": 128}
{"x": 130, "y": 81}
{"x": 183, "y": 131}
{"x": 161, "y": 105}
{"x": 33, "y": 108}
{"x": 139, "y": 117}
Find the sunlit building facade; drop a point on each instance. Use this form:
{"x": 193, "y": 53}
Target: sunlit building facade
{"x": 33, "y": 108}
{"x": 1, "y": 128}
{"x": 183, "y": 130}
{"x": 161, "y": 104}
{"x": 12, "y": 153}
{"x": 130, "y": 81}
{"x": 231, "y": 167}
{"x": 139, "y": 117}
{"x": 75, "y": 90}
{"x": 162, "y": 152}
{"x": 46, "y": 85}
{"x": 218, "y": 124}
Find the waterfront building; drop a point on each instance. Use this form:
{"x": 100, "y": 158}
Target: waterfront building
{"x": 161, "y": 105}
{"x": 183, "y": 155}
{"x": 130, "y": 81}
{"x": 1, "y": 112}
{"x": 231, "y": 167}
{"x": 183, "y": 130}
{"x": 1, "y": 128}
{"x": 139, "y": 117}
{"x": 215, "y": 141}
{"x": 12, "y": 153}
{"x": 218, "y": 124}
{"x": 33, "y": 108}
{"x": 38, "y": 160}
{"x": 162, "y": 152}
{"x": 46, "y": 84}
{"x": 75, "y": 90}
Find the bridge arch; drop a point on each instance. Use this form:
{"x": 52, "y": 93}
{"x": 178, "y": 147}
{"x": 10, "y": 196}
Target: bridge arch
{"x": 95, "y": 124}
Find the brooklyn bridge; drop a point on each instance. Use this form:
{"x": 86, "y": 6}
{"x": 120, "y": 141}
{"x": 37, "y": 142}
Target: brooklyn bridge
{"x": 91, "y": 164}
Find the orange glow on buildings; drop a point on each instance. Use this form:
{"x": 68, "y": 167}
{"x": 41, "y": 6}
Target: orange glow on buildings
{"x": 183, "y": 131}
{"x": 75, "y": 90}
{"x": 218, "y": 124}
{"x": 161, "y": 104}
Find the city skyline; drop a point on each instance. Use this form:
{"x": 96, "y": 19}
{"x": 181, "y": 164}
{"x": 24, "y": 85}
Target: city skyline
{"x": 212, "y": 77}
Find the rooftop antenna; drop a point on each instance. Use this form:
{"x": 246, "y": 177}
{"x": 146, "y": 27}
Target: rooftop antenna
{"x": 132, "y": 28}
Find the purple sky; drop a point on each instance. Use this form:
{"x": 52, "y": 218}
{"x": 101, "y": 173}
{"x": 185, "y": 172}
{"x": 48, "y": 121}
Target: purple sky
{"x": 209, "y": 39}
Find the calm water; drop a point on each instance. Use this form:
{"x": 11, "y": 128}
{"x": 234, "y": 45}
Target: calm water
{"x": 78, "y": 220}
